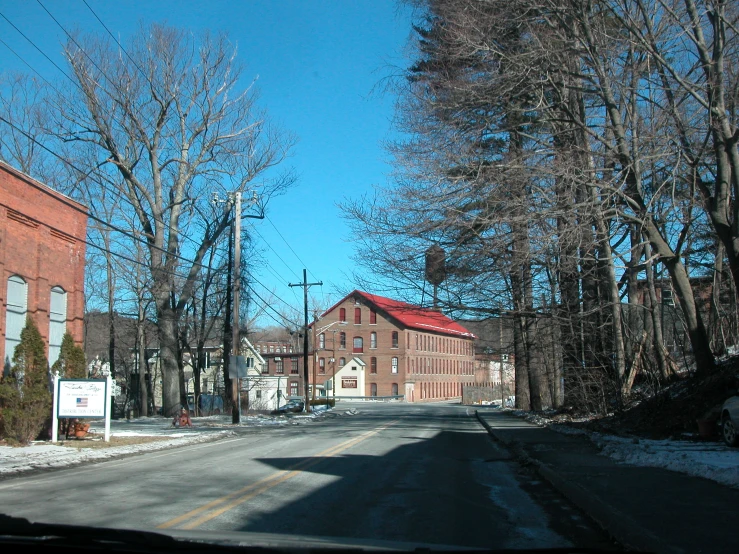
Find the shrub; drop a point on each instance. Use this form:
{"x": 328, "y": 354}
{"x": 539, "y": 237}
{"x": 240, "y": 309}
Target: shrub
{"x": 71, "y": 363}
{"x": 25, "y": 399}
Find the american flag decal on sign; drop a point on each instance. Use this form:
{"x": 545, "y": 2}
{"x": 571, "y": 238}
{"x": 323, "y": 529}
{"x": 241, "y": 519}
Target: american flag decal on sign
{"x": 82, "y": 402}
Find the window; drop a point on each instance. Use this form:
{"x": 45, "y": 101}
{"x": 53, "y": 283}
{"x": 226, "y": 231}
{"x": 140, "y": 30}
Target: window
{"x": 271, "y": 347}
{"x": 394, "y": 389}
{"x": 373, "y": 365}
{"x": 342, "y": 362}
{"x": 322, "y": 341}
{"x": 373, "y": 340}
{"x": 394, "y": 365}
{"x": 57, "y": 322}
{"x": 15, "y": 316}
{"x": 258, "y": 393}
{"x": 342, "y": 315}
{"x": 357, "y": 316}
{"x": 293, "y": 388}
{"x": 373, "y": 389}
{"x": 279, "y": 368}
{"x": 294, "y": 366}
{"x": 342, "y": 340}
{"x": 373, "y": 317}
{"x": 321, "y": 365}
{"x": 395, "y": 339}
{"x": 358, "y": 345}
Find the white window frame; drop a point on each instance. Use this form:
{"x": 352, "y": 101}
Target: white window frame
{"x": 57, "y": 322}
{"x": 15, "y": 315}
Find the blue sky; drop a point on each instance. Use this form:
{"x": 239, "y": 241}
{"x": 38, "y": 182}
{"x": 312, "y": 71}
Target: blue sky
{"x": 319, "y": 64}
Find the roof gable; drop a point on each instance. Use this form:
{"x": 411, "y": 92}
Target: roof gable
{"x": 413, "y": 317}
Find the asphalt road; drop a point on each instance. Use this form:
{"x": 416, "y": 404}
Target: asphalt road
{"x": 397, "y": 472}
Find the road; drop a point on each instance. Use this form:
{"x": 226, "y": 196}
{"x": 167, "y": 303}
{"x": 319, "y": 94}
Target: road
{"x": 397, "y": 472}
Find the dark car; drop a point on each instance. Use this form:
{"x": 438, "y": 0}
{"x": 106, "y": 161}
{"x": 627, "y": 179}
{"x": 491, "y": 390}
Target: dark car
{"x": 292, "y": 406}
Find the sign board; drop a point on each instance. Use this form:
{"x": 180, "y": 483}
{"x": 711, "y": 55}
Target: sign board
{"x": 236, "y": 367}
{"x": 349, "y": 383}
{"x": 82, "y": 397}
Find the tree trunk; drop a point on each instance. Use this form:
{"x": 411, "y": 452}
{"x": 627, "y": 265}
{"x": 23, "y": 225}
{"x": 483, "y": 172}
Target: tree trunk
{"x": 141, "y": 361}
{"x": 656, "y": 320}
{"x": 168, "y": 356}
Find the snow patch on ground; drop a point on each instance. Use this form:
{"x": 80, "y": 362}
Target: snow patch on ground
{"x": 710, "y": 460}
{"x": 44, "y": 455}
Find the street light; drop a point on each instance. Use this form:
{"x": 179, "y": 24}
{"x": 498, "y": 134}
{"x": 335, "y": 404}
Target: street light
{"x": 333, "y": 358}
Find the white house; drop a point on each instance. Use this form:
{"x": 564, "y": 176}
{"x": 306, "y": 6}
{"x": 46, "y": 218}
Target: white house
{"x": 349, "y": 380}
{"x": 265, "y": 392}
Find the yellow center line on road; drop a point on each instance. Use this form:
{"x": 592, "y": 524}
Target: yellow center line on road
{"x": 239, "y": 497}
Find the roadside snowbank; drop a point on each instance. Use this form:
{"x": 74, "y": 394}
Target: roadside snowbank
{"x": 44, "y": 455}
{"x": 710, "y": 460}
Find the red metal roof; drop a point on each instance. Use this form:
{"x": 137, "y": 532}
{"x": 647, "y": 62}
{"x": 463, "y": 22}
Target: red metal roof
{"x": 412, "y": 316}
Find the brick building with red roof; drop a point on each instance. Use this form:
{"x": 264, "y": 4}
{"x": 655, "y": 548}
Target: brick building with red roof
{"x": 407, "y": 350}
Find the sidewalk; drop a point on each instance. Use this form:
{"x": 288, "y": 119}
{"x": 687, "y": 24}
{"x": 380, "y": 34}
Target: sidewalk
{"x": 643, "y": 508}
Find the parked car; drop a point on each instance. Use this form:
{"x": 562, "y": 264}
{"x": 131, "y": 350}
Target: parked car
{"x": 292, "y": 406}
{"x": 730, "y": 421}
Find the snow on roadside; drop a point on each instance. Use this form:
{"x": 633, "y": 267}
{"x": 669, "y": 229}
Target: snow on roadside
{"x": 710, "y": 460}
{"x": 44, "y": 455}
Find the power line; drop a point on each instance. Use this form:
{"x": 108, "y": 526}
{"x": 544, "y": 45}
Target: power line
{"x": 265, "y": 304}
{"x": 275, "y": 252}
{"x": 116, "y": 40}
{"x": 95, "y": 218}
{"x": 103, "y": 73}
{"x": 40, "y": 51}
{"x": 127, "y": 234}
{"x": 28, "y": 64}
{"x": 288, "y": 245}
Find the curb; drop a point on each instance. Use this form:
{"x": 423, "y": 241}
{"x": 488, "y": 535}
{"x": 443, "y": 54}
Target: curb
{"x": 619, "y": 526}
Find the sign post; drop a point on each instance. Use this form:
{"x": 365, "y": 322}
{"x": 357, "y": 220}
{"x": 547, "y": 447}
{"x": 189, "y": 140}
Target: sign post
{"x": 81, "y": 398}
{"x": 54, "y": 417}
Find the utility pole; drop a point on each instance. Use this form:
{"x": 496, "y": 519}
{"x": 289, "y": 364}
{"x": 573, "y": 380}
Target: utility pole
{"x": 236, "y": 340}
{"x": 235, "y": 199}
{"x": 305, "y": 284}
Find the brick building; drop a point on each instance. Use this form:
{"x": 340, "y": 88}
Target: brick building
{"x": 42, "y": 262}
{"x": 407, "y": 350}
{"x": 283, "y": 358}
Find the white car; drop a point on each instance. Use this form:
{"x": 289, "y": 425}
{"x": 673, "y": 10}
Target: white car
{"x": 730, "y": 421}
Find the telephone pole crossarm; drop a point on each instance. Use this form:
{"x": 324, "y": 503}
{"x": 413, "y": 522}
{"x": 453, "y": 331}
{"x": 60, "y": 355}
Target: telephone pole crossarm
{"x": 305, "y": 284}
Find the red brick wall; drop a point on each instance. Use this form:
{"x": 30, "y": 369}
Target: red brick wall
{"x": 42, "y": 236}
{"x": 437, "y": 369}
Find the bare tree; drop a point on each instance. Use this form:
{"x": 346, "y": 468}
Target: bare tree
{"x": 168, "y": 125}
